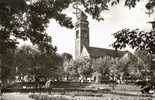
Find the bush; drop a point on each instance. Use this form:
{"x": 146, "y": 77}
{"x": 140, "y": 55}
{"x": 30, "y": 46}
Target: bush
{"x": 46, "y": 97}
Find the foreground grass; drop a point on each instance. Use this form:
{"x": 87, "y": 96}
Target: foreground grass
{"x": 103, "y": 97}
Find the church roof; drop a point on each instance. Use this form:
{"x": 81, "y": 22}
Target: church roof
{"x": 101, "y": 52}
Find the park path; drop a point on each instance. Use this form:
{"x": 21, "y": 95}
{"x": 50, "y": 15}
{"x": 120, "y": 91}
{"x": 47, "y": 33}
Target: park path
{"x": 15, "y": 96}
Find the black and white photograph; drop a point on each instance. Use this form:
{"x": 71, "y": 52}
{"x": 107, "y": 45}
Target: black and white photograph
{"x": 77, "y": 49}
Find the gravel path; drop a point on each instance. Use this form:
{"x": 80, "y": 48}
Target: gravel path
{"x": 15, "y": 96}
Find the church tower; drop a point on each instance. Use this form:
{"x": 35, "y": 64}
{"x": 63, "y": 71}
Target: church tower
{"x": 82, "y": 34}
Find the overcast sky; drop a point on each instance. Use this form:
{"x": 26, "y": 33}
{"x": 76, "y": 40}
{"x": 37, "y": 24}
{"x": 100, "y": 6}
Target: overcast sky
{"x": 117, "y": 18}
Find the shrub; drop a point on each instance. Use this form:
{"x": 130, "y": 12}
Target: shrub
{"x": 46, "y": 97}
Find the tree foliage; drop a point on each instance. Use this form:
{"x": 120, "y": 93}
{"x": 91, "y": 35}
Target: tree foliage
{"x": 144, "y": 64}
{"x": 124, "y": 68}
{"x": 7, "y": 69}
{"x": 79, "y": 67}
{"x": 102, "y": 66}
{"x": 70, "y": 70}
{"x": 28, "y": 20}
{"x": 30, "y": 64}
{"x": 84, "y": 67}
{"x": 96, "y": 7}
{"x": 136, "y": 39}
{"x": 67, "y": 57}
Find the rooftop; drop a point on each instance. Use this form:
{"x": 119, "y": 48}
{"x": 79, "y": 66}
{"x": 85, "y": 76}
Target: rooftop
{"x": 100, "y": 52}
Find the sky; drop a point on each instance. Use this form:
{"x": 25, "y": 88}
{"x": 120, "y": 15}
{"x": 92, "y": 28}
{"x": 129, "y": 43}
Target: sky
{"x": 117, "y": 18}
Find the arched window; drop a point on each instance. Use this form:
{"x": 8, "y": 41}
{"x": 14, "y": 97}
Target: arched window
{"x": 77, "y": 34}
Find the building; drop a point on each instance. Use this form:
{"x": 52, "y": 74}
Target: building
{"x": 82, "y": 47}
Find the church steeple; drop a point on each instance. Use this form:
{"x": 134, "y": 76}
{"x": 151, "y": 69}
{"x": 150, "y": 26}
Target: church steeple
{"x": 82, "y": 34}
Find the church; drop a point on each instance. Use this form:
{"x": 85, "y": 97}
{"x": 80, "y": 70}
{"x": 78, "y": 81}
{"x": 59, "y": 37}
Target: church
{"x": 82, "y": 46}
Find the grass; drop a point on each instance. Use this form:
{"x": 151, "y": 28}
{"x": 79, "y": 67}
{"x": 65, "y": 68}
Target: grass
{"x": 88, "y": 93}
{"x": 103, "y": 97}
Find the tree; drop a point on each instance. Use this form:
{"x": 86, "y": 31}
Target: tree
{"x": 143, "y": 42}
{"x": 102, "y": 66}
{"x": 144, "y": 64}
{"x": 84, "y": 67}
{"x": 31, "y": 21}
{"x": 127, "y": 67}
{"x": 7, "y": 68}
{"x": 136, "y": 39}
{"x": 96, "y": 7}
{"x": 145, "y": 56}
{"x": 36, "y": 66}
{"x": 28, "y": 20}
{"x": 81, "y": 67}
{"x": 124, "y": 68}
{"x": 70, "y": 69}
{"x": 67, "y": 62}
{"x": 67, "y": 56}
{"x": 23, "y": 62}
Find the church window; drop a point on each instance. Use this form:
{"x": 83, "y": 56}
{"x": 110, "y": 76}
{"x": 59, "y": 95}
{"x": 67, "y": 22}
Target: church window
{"x": 85, "y": 36}
{"x": 77, "y": 34}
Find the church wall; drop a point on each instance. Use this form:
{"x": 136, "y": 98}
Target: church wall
{"x": 85, "y": 53}
{"x": 77, "y": 48}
